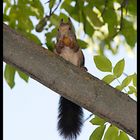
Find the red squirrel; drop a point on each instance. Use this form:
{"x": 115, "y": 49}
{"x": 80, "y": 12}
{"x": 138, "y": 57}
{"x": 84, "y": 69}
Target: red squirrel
{"x": 70, "y": 118}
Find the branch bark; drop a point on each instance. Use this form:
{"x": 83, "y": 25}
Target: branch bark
{"x": 69, "y": 81}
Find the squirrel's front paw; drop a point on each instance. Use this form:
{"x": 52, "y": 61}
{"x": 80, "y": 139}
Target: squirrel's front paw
{"x": 84, "y": 68}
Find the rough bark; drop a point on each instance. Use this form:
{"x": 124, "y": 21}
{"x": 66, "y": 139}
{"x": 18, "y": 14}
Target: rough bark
{"x": 69, "y": 81}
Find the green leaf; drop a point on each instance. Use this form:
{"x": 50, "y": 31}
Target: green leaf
{"x": 40, "y": 26}
{"x": 110, "y": 18}
{"x": 55, "y": 20}
{"x": 79, "y": 5}
{"x": 98, "y": 4}
{"x": 26, "y": 11}
{"x": 49, "y": 36}
{"x": 119, "y": 87}
{"x": 65, "y": 3}
{"x": 97, "y": 121}
{"x": 33, "y": 38}
{"x": 13, "y": 17}
{"x": 135, "y": 79}
{"x": 97, "y": 133}
{"x": 123, "y": 136}
{"x": 129, "y": 32}
{"x": 92, "y": 16}
{"x": 5, "y": 17}
{"x": 109, "y": 78}
{"x": 103, "y": 63}
{"x": 51, "y": 3}
{"x": 82, "y": 44}
{"x": 127, "y": 81}
{"x": 72, "y": 11}
{"x": 132, "y": 89}
{"x": 37, "y": 7}
{"x": 23, "y": 76}
{"x": 9, "y": 75}
{"x": 119, "y": 68}
{"x": 111, "y": 133}
{"x": 65, "y": 17}
{"x": 130, "y": 92}
{"x": 7, "y": 6}
{"x": 88, "y": 28}
{"x": 25, "y": 24}
{"x": 132, "y": 7}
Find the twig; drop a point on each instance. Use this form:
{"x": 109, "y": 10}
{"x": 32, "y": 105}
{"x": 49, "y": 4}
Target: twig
{"x": 51, "y": 12}
{"x": 88, "y": 117}
{"x": 43, "y": 21}
{"x": 106, "y": 1}
{"x": 123, "y": 5}
{"x": 47, "y": 2}
{"x": 56, "y": 7}
{"x": 121, "y": 20}
{"x": 121, "y": 24}
{"x": 125, "y": 74}
{"x": 14, "y": 2}
{"x": 120, "y": 84}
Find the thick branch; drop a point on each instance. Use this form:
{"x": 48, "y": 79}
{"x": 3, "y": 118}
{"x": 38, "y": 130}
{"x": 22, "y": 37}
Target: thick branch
{"x": 70, "y": 81}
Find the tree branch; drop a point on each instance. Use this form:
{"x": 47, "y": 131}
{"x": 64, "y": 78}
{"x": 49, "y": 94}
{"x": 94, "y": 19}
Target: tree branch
{"x": 69, "y": 81}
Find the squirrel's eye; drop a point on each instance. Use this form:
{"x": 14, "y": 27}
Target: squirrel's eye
{"x": 57, "y": 29}
{"x": 69, "y": 28}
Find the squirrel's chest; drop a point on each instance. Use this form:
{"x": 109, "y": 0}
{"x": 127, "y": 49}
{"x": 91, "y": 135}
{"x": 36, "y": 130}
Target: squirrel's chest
{"x": 71, "y": 56}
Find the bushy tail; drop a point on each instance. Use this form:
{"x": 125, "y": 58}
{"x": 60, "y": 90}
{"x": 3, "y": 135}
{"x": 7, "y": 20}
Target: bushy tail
{"x": 70, "y": 119}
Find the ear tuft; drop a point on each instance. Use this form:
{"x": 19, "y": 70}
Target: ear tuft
{"x": 61, "y": 21}
{"x": 69, "y": 20}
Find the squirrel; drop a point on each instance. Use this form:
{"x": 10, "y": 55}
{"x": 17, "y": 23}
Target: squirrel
{"x": 70, "y": 117}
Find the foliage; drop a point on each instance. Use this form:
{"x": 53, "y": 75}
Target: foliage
{"x": 129, "y": 82}
{"x": 128, "y": 85}
{"x": 103, "y": 22}
{"x": 17, "y": 14}
{"x": 9, "y": 75}
{"x": 105, "y": 25}
{"x": 111, "y": 133}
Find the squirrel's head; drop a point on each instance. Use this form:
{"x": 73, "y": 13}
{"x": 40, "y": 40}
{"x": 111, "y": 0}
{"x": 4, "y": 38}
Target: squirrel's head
{"x": 65, "y": 27}
{"x": 66, "y": 32}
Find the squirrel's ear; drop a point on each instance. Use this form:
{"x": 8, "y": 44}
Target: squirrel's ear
{"x": 61, "y": 21}
{"x": 69, "y": 20}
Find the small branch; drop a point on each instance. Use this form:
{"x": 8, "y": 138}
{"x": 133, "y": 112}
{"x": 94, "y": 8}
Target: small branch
{"x": 88, "y": 117}
{"x": 121, "y": 19}
{"x": 121, "y": 24}
{"x": 123, "y": 5}
{"x": 120, "y": 84}
{"x": 52, "y": 12}
{"x": 42, "y": 23}
{"x": 106, "y": 1}
{"x": 47, "y": 2}
{"x": 125, "y": 74}
{"x": 56, "y": 7}
{"x": 14, "y": 2}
